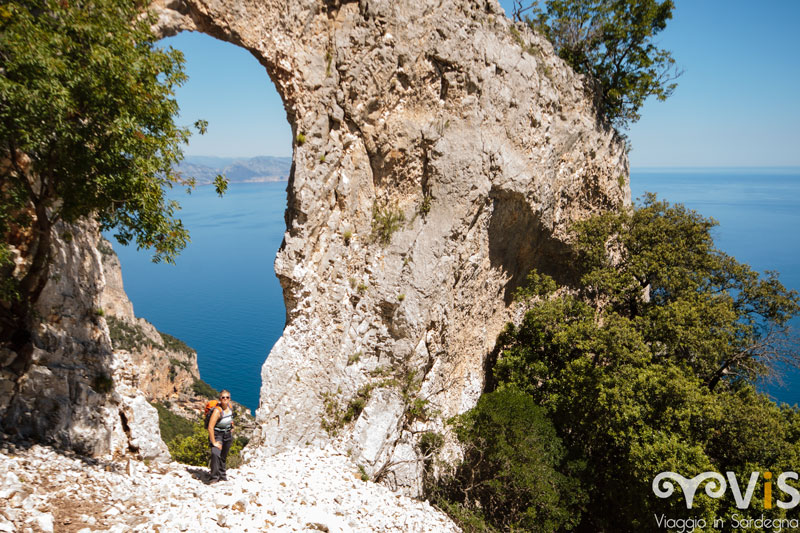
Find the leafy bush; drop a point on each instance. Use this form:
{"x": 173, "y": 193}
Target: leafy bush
{"x": 513, "y": 475}
{"x": 613, "y": 43}
{"x": 425, "y": 206}
{"x": 201, "y": 388}
{"x": 125, "y": 336}
{"x": 193, "y": 449}
{"x": 649, "y": 363}
{"x": 336, "y": 417}
{"x": 103, "y": 383}
{"x": 174, "y": 344}
{"x": 171, "y": 425}
{"x": 104, "y": 247}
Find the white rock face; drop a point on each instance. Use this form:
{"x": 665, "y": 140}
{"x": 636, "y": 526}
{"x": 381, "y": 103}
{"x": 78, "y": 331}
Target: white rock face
{"x": 305, "y": 489}
{"x": 440, "y": 154}
{"x": 75, "y": 392}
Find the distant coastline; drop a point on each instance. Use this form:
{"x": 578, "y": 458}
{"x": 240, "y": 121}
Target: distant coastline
{"x": 772, "y": 171}
{"x": 258, "y": 169}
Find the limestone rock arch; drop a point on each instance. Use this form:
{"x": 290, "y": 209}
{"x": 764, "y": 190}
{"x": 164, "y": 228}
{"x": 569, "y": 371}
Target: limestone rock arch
{"x": 439, "y": 154}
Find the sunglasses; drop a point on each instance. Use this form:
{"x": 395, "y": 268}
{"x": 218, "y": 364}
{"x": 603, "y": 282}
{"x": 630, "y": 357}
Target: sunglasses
{"x": 224, "y": 397}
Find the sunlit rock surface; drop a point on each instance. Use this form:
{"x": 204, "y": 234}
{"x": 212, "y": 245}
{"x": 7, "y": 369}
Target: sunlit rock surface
{"x": 440, "y": 153}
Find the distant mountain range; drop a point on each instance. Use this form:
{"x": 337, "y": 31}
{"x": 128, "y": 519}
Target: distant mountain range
{"x": 254, "y": 169}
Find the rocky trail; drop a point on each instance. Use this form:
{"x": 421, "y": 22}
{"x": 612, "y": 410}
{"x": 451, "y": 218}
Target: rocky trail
{"x": 305, "y": 489}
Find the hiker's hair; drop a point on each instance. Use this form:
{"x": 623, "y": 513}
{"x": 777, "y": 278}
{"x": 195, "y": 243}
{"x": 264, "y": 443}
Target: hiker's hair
{"x": 223, "y": 391}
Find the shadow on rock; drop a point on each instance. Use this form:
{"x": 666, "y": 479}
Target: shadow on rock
{"x": 200, "y": 474}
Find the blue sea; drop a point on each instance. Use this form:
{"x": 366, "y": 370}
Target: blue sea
{"x": 223, "y": 299}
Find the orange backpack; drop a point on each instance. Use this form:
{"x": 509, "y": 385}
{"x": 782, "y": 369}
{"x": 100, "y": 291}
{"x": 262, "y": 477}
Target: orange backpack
{"x": 210, "y": 406}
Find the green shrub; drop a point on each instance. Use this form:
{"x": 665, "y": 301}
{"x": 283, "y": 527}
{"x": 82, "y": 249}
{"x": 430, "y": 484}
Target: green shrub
{"x": 469, "y": 520}
{"x": 176, "y": 345}
{"x": 201, "y": 388}
{"x": 430, "y": 443}
{"x": 336, "y": 417}
{"x": 172, "y": 425}
{"x": 193, "y": 449}
{"x": 417, "y": 409}
{"x": 104, "y": 247}
{"x": 177, "y": 363}
{"x": 513, "y": 474}
{"x": 103, "y": 384}
{"x": 425, "y": 206}
{"x": 125, "y": 336}
{"x": 386, "y": 220}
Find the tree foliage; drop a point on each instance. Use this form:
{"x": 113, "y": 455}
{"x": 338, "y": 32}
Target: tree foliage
{"x": 650, "y": 364}
{"x": 513, "y": 475}
{"x": 87, "y": 129}
{"x": 612, "y": 42}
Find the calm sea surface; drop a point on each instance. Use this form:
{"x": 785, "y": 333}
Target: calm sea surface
{"x": 223, "y": 299}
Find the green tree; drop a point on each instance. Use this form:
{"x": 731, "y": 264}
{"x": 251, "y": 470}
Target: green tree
{"x": 612, "y": 43}
{"x": 649, "y": 364}
{"x": 513, "y": 475}
{"x": 87, "y": 129}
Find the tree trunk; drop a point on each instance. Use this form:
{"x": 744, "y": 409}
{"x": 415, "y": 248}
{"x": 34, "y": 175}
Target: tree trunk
{"x": 18, "y": 317}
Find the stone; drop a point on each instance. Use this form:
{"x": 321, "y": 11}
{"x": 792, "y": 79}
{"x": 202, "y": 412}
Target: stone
{"x": 487, "y": 151}
{"x": 43, "y": 521}
{"x": 65, "y": 396}
{"x": 141, "y": 418}
{"x": 6, "y": 526}
{"x": 430, "y": 115}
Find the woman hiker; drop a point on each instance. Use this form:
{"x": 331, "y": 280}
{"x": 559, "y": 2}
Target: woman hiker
{"x": 219, "y": 436}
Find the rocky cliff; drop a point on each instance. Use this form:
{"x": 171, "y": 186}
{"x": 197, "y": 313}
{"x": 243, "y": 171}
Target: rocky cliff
{"x": 166, "y": 368}
{"x": 74, "y": 391}
{"x": 440, "y": 153}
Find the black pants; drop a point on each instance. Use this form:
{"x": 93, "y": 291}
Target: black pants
{"x": 219, "y": 456}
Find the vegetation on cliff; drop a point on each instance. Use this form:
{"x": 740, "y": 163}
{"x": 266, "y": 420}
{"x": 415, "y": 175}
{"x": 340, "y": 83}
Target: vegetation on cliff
{"x": 649, "y": 362}
{"x": 612, "y": 43}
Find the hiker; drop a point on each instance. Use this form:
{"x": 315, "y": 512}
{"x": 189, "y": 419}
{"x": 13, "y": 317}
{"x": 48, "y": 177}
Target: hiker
{"x": 220, "y": 426}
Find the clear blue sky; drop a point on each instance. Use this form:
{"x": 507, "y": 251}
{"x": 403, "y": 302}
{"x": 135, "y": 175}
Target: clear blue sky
{"x": 737, "y": 102}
